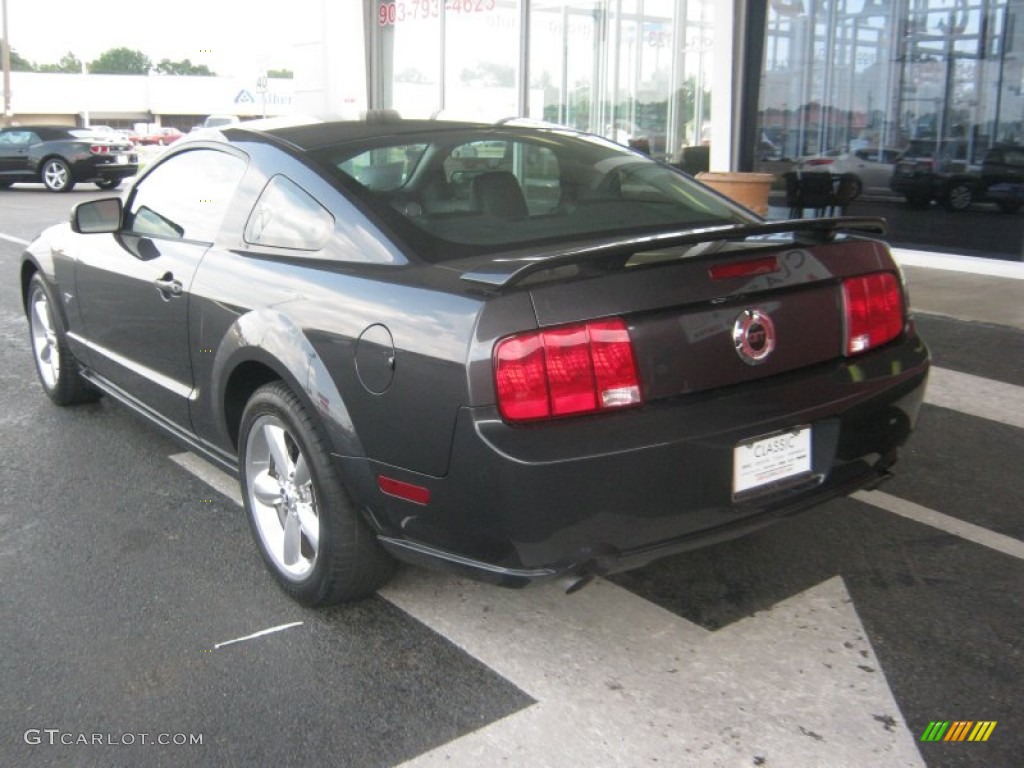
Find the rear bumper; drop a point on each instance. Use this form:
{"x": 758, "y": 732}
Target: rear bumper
{"x": 93, "y": 169}
{"x": 606, "y": 494}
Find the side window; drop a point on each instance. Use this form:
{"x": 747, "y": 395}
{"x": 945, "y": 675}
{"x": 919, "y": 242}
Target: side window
{"x": 535, "y": 168}
{"x": 20, "y": 138}
{"x": 1014, "y": 157}
{"x": 541, "y": 180}
{"x": 384, "y": 169}
{"x": 286, "y": 216}
{"x": 186, "y": 196}
{"x": 468, "y": 161}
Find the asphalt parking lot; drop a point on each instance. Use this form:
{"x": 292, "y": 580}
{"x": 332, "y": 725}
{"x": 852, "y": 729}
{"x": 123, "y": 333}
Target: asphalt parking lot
{"x": 139, "y": 626}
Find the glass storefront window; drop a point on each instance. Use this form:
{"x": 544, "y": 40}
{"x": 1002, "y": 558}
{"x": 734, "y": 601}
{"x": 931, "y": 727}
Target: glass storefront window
{"x": 851, "y": 85}
{"x": 631, "y": 70}
{"x": 851, "y": 73}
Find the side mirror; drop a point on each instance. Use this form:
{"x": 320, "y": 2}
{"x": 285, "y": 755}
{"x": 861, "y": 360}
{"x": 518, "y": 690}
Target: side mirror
{"x": 97, "y": 216}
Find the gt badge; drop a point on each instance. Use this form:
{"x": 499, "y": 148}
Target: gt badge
{"x": 753, "y": 333}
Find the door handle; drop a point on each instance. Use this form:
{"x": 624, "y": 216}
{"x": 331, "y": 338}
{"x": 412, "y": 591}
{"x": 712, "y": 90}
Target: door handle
{"x": 168, "y": 287}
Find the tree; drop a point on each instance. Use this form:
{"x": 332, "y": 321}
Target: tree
{"x": 284, "y": 74}
{"x": 68, "y": 63}
{"x": 183, "y": 67}
{"x": 121, "y": 61}
{"x": 20, "y": 64}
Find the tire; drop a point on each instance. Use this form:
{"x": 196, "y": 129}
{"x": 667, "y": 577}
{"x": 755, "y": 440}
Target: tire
{"x": 56, "y": 175}
{"x": 1010, "y": 206}
{"x": 108, "y": 183}
{"x": 307, "y": 529}
{"x": 958, "y": 197}
{"x": 55, "y": 365}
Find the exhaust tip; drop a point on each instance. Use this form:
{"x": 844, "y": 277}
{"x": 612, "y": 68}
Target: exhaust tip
{"x": 573, "y": 584}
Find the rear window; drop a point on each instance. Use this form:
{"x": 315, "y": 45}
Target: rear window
{"x": 451, "y": 194}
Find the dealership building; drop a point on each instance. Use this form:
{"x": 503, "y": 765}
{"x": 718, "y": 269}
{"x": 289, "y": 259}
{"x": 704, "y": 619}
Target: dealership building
{"x": 756, "y": 80}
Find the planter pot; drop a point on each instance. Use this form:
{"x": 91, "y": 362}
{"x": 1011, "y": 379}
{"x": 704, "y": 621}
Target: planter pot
{"x": 748, "y": 189}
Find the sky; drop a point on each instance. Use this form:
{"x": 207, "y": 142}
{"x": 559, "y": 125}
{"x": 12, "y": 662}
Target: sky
{"x": 231, "y": 37}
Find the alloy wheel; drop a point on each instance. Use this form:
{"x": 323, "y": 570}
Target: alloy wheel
{"x": 282, "y": 497}
{"x": 56, "y": 175}
{"x": 44, "y": 340}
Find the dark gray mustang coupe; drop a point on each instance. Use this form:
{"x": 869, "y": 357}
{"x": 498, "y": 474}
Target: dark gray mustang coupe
{"x": 512, "y": 350}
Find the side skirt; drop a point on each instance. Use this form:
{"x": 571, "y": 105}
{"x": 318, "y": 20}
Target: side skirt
{"x": 221, "y": 459}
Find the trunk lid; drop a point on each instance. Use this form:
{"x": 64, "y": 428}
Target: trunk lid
{"x": 698, "y": 316}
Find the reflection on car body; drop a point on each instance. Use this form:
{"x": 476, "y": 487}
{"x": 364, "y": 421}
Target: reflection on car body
{"x": 515, "y": 352}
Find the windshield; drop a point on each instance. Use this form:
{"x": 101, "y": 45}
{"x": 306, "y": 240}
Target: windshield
{"x": 465, "y": 192}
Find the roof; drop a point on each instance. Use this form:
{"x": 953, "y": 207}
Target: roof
{"x": 45, "y": 132}
{"x": 313, "y": 133}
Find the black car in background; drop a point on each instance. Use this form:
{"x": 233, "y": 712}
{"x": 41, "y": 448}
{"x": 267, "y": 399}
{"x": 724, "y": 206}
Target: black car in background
{"x": 512, "y": 351}
{"x": 1002, "y": 177}
{"x": 60, "y": 157}
{"x": 934, "y": 169}
{"x": 944, "y": 171}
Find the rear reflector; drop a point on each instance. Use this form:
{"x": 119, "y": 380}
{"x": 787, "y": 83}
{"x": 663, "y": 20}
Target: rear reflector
{"x": 414, "y": 493}
{"x": 566, "y": 371}
{"x": 820, "y": 161}
{"x": 874, "y": 311}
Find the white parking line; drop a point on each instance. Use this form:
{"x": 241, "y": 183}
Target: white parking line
{"x": 13, "y": 239}
{"x": 908, "y": 509}
{"x": 954, "y": 263}
{"x": 217, "y": 479}
{"x": 620, "y": 681}
{"x": 261, "y": 633}
{"x": 976, "y": 396}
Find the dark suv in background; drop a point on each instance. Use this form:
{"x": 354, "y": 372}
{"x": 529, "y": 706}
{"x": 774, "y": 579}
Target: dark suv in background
{"x": 936, "y": 169}
{"x": 1002, "y": 177}
{"x": 944, "y": 170}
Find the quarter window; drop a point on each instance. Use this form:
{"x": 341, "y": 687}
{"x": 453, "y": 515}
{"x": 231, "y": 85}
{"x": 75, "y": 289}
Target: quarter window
{"x": 186, "y": 196}
{"x": 286, "y": 216}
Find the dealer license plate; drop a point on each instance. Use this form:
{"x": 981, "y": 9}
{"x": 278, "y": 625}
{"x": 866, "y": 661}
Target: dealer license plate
{"x": 768, "y": 461}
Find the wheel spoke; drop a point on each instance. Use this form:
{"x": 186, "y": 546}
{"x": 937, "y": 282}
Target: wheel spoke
{"x": 301, "y": 472}
{"x": 274, "y": 436}
{"x": 266, "y": 489}
{"x": 310, "y": 524}
{"x": 42, "y": 313}
{"x": 292, "y": 539}
{"x": 42, "y": 347}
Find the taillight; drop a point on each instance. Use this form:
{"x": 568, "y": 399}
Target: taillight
{"x": 819, "y": 161}
{"x": 874, "y": 311}
{"x": 566, "y": 371}
{"x": 100, "y": 149}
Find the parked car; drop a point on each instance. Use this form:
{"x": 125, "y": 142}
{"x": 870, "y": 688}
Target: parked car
{"x": 872, "y": 166}
{"x": 941, "y": 170}
{"x": 1002, "y": 177}
{"x": 161, "y": 137}
{"x": 219, "y": 121}
{"x": 61, "y": 157}
{"x": 518, "y": 353}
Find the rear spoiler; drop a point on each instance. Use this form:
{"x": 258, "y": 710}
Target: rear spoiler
{"x": 506, "y": 270}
